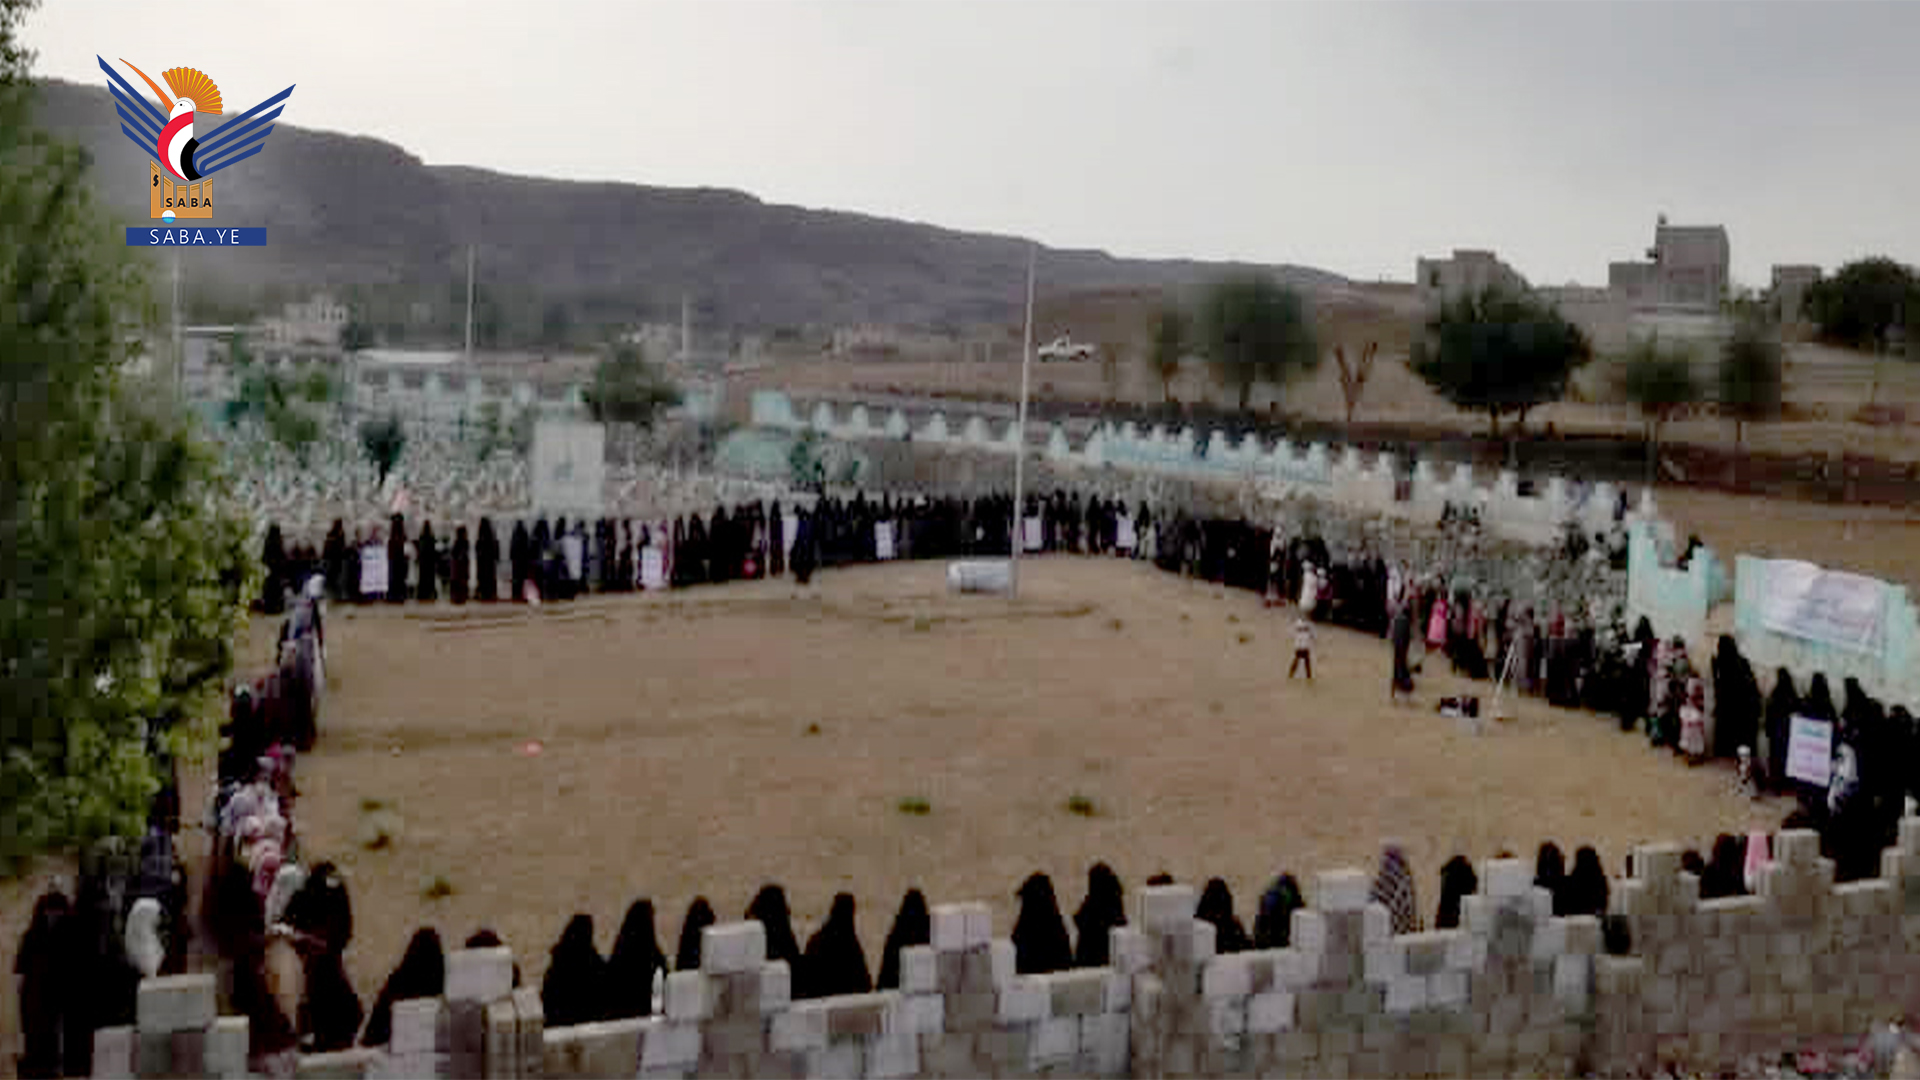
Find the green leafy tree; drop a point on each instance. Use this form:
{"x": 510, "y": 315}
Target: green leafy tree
{"x": 805, "y": 466}
{"x": 383, "y": 439}
{"x": 1171, "y": 335}
{"x": 122, "y": 566}
{"x": 1256, "y": 332}
{"x": 627, "y": 390}
{"x": 1499, "y": 353}
{"x": 1659, "y": 381}
{"x": 1864, "y": 302}
{"x": 284, "y": 405}
{"x": 1750, "y": 375}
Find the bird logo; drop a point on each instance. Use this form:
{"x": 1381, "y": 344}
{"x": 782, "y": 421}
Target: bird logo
{"x": 167, "y": 133}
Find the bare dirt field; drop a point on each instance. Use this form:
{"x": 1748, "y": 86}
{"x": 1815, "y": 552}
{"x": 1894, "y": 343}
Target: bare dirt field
{"x": 678, "y": 756}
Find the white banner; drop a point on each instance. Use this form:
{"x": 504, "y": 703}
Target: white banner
{"x": 373, "y": 571}
{"x": 883, "y": 539}
{"x": 568, "y": 467}
{"x": 1810, "y": 751}
{"x": 1801, "y": 600}
{"x": 1031, "y": 534}
{"x": 653, "y": 570}
{"x": 1124, "y": 536}
{"x": 789, "y": 532}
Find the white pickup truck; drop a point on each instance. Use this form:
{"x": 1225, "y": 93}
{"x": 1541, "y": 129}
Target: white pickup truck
{"x": 1065, "y": 348}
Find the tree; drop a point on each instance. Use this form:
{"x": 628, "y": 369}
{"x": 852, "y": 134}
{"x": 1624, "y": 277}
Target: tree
{"x": 356, "y": 335}
{"x": 1499, "y": 353}
{"x": 1353, "y": 377}
{"x": 1256, "y": 332}
{"x": 627, "y": 390}
{"x": 383, "y": 439}
{"x": 1659, "y": 381}
{"x": 1172, "y": 331}
{"x": 1864, "y": 302}
{"x": 122, "y": 564}
{"x": 1751, "y": 375}
{"x": 279, "y": 402}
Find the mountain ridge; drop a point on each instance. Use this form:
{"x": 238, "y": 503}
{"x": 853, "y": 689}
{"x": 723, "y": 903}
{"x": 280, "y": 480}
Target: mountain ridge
{"x": 365, "y": 218}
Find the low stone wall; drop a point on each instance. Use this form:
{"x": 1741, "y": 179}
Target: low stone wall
{"x": 1515, "y": 990}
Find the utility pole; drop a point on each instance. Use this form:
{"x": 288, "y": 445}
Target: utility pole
{"x": 1020, "y": 435}
{"x": 469, "y": 350}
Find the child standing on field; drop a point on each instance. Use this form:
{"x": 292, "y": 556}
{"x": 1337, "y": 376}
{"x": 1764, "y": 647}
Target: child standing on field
{"x": 1302, "y": 647}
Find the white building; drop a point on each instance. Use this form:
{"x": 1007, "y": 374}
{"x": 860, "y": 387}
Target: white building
{"x": 319, "y": 321}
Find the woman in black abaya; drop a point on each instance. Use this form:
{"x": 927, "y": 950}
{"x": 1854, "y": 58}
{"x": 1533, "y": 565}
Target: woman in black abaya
{"x": 1216, "y": 907}
{"x": 397, "y": 560}
{"x": 519, "y": 562}
{"x": 428, "y": 547}
{"x": 1587, "y": 884}
{"x": 1550, "y": 873}
{"x": 805, "y": 555}
{"x": 1457, "y": 882}
{"x": 486, "y": 564}
{"x": 834, "y": 963}
{"x": 769, "y": 908}
{"x": 630, "y": 969}
{"x": 912, "y": 926}
{"x": 776, "y": 541}
{"x": 1736, "y": 701}
{"x": 422, "y": 974}
{"x": 273, "y": 555}
{"x": 1273, "y": 923}
{"x": 333, "y": 561}
{"x": 459, "y": 566}
{"x": 699, "y": 917}
{"x": 1040, "y": 942}
{"x": 44, "y": 966}
{"x": 1104, "y": 909}
{"x": 1782, "y": 706}
{"x": 574, "y": 990}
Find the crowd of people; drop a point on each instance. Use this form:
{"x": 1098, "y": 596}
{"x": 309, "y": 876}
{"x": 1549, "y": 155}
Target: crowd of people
{"x": 82, "y": 958}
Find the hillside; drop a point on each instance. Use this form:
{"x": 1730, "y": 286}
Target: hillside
{"x": 346, "y": 212}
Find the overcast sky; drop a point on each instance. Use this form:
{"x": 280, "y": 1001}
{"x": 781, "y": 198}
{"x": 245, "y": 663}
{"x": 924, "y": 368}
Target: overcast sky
{"x": 1354, "y": 137}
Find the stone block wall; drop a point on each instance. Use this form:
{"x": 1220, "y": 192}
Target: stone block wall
{"x": 1513, "y": 991}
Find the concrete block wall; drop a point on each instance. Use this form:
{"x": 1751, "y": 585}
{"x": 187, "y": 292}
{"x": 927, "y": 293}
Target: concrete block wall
{"x": 1675, "y": 601}
{"x": 1513, "y": 991}
{"x": 1890, "y": 673}
{"x": 1280, "y": 470}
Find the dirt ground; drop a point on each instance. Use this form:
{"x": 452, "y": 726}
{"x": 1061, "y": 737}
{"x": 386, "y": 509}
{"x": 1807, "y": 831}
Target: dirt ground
{"x": 678, "y": 756}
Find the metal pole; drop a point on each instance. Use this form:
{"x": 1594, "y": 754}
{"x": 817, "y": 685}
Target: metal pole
{"x": 179, "y": 355}
{"x": 469, "y": 302}
{"x": 1020, "y": 433}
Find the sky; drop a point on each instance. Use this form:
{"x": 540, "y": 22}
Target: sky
{"x": 1355, "y": 137}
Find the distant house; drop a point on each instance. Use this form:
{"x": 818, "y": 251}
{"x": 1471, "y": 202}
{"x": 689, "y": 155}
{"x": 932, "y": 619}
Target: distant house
{"x": 1686, "y": 272}
{"x": 1791, "y": 283}
{"x": 319, "y": 321}
{"x": 1469, "y": 271}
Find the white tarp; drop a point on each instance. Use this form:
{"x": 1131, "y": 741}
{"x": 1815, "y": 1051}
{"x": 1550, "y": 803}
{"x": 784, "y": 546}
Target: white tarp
{"x": 1810, "y": 751}
{"x": 883, "y": 539}
{"x": 1125, "y": 537}
{"x": 1804, "y": 601}
{"x": 1032, "y": 534}
{"x": 653, "y": 569}
{"x": 980, "y": 576}
{"x": 569, "y": 467}
{"x": 373, "y": 571}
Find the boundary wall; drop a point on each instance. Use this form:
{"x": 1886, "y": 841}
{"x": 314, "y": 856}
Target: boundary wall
{"x": 1513, "y": 991}
{"x": 1340, "y": 475}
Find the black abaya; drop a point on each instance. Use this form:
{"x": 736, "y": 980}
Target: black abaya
{"x": 1040, "y": 935}
{"x": 1104, "y": 909}
{"x": 630, "y": 969}
{"x": 574, "y": 990}
{"x": 912, "y": 926}
{"x": 834, "y": 963}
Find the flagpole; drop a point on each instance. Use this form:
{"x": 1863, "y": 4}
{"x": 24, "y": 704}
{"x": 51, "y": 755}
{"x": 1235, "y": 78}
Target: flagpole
{"x": 1020, "y": 433}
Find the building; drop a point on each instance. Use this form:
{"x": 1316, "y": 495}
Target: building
{"x": 1686, "y": 270}
{"x": 1790, "y": 287}
{"x": 319, "y": 321}
{"x": 1468, "y": 272}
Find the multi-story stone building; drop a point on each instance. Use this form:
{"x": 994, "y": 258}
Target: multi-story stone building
{"x": 1791, "y": 284}
{"x": 1686, "y": 270}
{"x": 1468, "y": 271}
